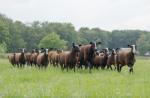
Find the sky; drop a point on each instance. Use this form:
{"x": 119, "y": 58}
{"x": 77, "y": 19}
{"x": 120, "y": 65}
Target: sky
{"x": 104, "y": 14}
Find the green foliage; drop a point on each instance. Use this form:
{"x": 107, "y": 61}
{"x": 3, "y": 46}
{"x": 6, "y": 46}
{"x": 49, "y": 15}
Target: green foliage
{"x": 95, "y": 34}
{"x": 144, "y": 43}
{"x": 65, "y": 30}
{"x": 121, "y": 38}
{"x": 16, "y": 40}
{"x": 4, "y": 29}
{"x": 52, "y": 40}
{"x": 17, "y": 35}
{"x": 3, "y": 47}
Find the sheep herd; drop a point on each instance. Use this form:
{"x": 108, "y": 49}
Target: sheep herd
{"x": 79, "y": 57}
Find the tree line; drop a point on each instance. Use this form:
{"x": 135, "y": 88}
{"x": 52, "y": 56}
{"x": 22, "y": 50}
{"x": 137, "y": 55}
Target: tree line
{"x": 16, "y": 34}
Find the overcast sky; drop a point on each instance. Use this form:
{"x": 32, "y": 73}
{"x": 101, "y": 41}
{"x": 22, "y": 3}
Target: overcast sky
{"x": 105, "y": 14}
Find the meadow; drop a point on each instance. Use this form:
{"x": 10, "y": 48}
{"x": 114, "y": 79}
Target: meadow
{"x": 30, "y": 82}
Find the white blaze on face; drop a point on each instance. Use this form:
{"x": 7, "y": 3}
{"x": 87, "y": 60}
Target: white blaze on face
{"x": 33, "y": 50}
{"x": 134, "y": 50}
{"x": 107, "y": 50}
{"x": 39, "y": 51}
{"x": 95, "y": 46}
{"x": 46, "y": 51}
{"x": 23, "y": 50}
{"x": 114, "y": 50}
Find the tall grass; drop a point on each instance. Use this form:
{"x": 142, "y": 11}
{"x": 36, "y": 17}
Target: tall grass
{"x": 31, "y": 82}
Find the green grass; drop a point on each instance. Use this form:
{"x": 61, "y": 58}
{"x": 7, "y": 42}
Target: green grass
{"x": 52, "y": 82}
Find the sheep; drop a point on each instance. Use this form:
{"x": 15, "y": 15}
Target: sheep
{"x": 20, "y": 58}
{"x": 112, "y": 59}
{"x": 42, "y": 59}
{"x": 11, "y": 58}
{"x": 68, "y": 59}
{"x": 126, "y": 56}
{"x": 100, "y": 60}
{"x": 87, "y": 55}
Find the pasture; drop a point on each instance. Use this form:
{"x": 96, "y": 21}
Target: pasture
{"x": 31, "y": 82}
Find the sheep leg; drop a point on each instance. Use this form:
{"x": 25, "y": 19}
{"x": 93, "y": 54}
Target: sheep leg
{"x": 31, "y": 64}
{"x": 17, "y": 65}
{"x": 67, "y": 68}
{"x": 115, "y": 68}
{"x": 20, "y": 65}
{"x": 74, "y": 68}
{"x": 80, "y": 64}
{"x": 90, "y": 67}
{"x": 109, "y": 66}
{"x": 121, "y": 67}
{"x": 102, "y": 67}
{"x": 62, "y": 67}
{"x": 118, "y": 68}
{"x": 131, "y": 70}
{"x": 86, "y": 67}
{"x": 45, "y": 66}
{"x": 97, "y": 66}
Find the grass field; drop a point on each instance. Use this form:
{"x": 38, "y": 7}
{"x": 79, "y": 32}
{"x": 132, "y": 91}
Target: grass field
{"x": 52, "y": 82}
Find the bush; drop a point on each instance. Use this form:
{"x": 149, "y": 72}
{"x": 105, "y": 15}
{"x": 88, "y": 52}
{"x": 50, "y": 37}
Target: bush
{"x": 52, "y": 41}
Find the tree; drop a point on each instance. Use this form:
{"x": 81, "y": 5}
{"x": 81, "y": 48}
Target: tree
{"x": 3, "y": 47}
{"x": 16, "y": 40}
{"x": 65, "y": 30}
{"x": 4, "y": 29}
{"x": 121, "y": 38}
{"x": 95, "y": 34}
{"x": 52, "y": 40}
{"x": 143, "y": 43}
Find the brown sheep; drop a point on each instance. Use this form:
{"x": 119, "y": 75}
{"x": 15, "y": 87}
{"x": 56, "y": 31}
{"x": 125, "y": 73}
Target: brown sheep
{"x": 112, "y": 59}
{"x": 61, "y": 59}
{"x": 56, "y": 57}
{"x": 97, "y": 60}
{"x": 50, "y": 56}
{"x": 69, "y": 59}
{"x": 126, "y": 56}
{"x": 20, "y": 58}
{"x": 33, "y": 57}
{"x": 27, "y": 55}
{"x": 87, "y": 55}
{"x": 53, "y": 57}
{"x": 42, "y": 59}
{"x": 11, "y": 58}
{"x": 101, "y": 59}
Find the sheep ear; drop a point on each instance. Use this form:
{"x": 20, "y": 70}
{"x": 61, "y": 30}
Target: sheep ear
{"x": 90, "y": 42}
{"x": 80, "y": 45}
{"x": 99, "y": 43}
{"x": 42, "y": 48}
{"x": 117, "y": 49}
{"x": 129, "y": 45}
{"x": 73, "y": 44}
